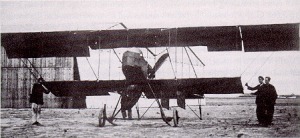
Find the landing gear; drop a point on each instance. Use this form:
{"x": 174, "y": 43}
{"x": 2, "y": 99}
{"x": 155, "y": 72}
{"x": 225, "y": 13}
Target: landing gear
{"x": 102, "y": 116}
{"x": 175, "y": 117}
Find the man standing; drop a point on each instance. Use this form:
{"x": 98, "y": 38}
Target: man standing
{"x": 260, "y": 108}
{"x": 269, "y": 99}
{"x": 36, "y": 99}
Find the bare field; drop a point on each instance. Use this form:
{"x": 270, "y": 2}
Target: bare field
{"x": 222, "y": 117}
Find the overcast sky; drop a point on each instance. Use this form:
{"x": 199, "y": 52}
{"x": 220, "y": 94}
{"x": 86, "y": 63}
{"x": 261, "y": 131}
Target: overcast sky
{"x": 283, "y": 67}
{"x": 144, "y": 14}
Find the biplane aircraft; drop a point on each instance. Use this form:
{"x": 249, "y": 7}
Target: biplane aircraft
{"x": 140, "y": 76}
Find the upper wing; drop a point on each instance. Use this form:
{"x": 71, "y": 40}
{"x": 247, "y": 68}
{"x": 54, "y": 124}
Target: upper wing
{"x": 276, "y": 37}
{"x": 45, "y": 44}
{"x": 84, "y": 88}
{"x": 272, "y": 37}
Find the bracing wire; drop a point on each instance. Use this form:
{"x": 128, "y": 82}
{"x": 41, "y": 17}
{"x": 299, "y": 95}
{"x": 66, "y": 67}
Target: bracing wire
{"x": 153, "y": 54}
{"x": 261, "y": 66}
{"x": 169, "y": 55}
{"x": 91, "y": 67}
{"x": 99, "y": 51}
{"x": 159, "y": 104}
{"x": 191, "y": 62}
{"x": 147, "y": 109}
{"x": 117, "y": 55}
{"x": 250, "y": 64}
{"x": 196, "y": 56}
{"x": 171, "y": 64}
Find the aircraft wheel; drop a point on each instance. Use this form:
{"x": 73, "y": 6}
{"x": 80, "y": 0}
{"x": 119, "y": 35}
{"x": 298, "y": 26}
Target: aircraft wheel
{"x": 102, "y": 116}
{"x": 175, "y": 117}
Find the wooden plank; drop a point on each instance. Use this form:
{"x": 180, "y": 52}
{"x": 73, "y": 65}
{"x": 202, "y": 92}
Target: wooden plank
{"x": 23, "y": 63}
{"x": 35, "y": 62}
{"x": 17, "y": 81}
{"x": 57, "y": 74}
{"x": 58, "y": 62}
{"x": 72, "y": 62}
{"x": 19, "y": 90}
{"x": 47, "y": 75}
{"x": 3, "y": 57}
{"x": 39, "y": 72}
{"x": 26, "y": 86}
{"x": 44, "y": 62}
{"x": 46, "y": 72}
{"x": 22, "y": 88}
{"x": 64, "y": 62}
{"x": 50, "y": 62}
{"x": 15, "y": 87}
{"x": 16, "y": 62}
{"x": 4, "y": 85}
{"x": 10, "y": 88}
{"x": 8, "y": 92}
{"x": 68, "y": 73}
{"x": 9, "y": 63}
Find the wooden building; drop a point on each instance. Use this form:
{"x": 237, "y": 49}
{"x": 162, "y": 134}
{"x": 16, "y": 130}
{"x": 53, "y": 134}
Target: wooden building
{"x": 17, "y": 80}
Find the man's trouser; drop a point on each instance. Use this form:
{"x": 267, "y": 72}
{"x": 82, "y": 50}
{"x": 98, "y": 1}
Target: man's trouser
{"x": 260, "y": 113}
{"x": 269, "y": 114}
{"x": 36, "y": 111}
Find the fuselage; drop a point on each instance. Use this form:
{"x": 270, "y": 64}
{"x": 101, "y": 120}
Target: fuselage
{"x": 133, "y": 63}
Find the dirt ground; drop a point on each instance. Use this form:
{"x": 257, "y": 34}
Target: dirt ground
{"x": 222, "y": 117}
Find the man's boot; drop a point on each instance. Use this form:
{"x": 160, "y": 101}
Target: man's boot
{"x": 130, "y": 114}
{"x": 124, "y": 114}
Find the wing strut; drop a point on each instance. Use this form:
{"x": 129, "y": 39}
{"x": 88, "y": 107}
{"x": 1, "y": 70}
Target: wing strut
{"x": 99, "y": 57}
{"x": 200, "y": 110}
{"x": 241, "y": 35}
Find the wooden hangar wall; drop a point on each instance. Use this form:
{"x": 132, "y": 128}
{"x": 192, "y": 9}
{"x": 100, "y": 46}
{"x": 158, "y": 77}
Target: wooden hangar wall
{"x": 17, "y": 81}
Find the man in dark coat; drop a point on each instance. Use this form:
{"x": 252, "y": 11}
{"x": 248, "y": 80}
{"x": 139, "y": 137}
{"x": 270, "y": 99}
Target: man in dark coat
{"x": 260, "y": 108}
{"x": 269, "y": 99}
{"x": 36, "y": 99}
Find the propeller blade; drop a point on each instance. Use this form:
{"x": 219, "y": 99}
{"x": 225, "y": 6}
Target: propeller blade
{"x": 158, "y": 64}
